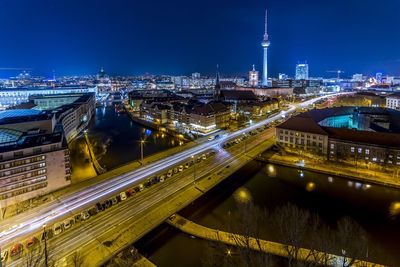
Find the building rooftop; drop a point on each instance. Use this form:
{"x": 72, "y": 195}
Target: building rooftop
{"x": 309, "y": 122}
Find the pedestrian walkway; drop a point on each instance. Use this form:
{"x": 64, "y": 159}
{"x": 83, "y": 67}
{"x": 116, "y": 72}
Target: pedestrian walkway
{"x": 268, "y": 247}
{"x": 360, "y": 173}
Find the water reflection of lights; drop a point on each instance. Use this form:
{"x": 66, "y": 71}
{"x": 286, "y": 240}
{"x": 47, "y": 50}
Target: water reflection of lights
{"x": 301, "y": 174}
{"x": 330, "y": 179}
{"x": 350, "y": 183}
{"x": 394, "y": 208}
{"x": 242, "y": 195}
{"x": 358, "y": 185}
{"x": 271, "y": 170}
{"x": 148, "y": 132}
{"x": 366, "y": 186}
{"x": 310, "y": 186}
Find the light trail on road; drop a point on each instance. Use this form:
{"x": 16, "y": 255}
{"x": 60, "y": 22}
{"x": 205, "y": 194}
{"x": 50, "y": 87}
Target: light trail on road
{"x": 24, "y": 225}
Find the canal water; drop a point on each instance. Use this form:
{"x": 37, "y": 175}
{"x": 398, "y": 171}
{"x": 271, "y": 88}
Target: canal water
{"x": 375, "y": 208}
{"x": 115, "y": 141}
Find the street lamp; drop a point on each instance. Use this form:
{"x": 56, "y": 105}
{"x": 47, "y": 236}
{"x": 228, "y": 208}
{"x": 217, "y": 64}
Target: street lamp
{"x": 194, "y": 170}
{"x": 141, "y": 150}
{"x": 46, "y": 256}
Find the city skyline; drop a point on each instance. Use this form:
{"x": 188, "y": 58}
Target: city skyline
{"x": 75, "y": 38}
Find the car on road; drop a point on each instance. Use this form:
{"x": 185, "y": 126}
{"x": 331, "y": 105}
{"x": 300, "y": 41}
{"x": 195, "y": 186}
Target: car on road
{"x": 211, "y": 138}
{"x": 114, "y": 201}
{"x": 169, "y": 173}
{"x": 31, "y": 242}
{"x": 68, "y": 223}
{"x": 99, "y": 207}
{"x": 130, "y": 192}
{"x": 203, "y": 156}
{"x": 123, "y": 196}
{"x": 92, "y": 211}
{"x": 180, "y": 168}
{"x": 16, "y": 250}
{"x": 58, "y": 228}
{"x": 4, "y": 255}
{"x": 186, "y": 165}
{"x": 85, "y": 215}
{"x": 175, "y": 170}
{"x": 162, "y": 178}
{"x": 141, "y": 187}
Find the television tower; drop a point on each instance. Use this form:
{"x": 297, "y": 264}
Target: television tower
{"x": 265, "y": 44}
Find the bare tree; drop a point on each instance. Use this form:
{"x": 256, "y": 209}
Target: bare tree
{"x": 291, "y": 224}
{"x": 78, "y": 259}
{"x": 35, "y": 257}
{"x": 351, "y": 240}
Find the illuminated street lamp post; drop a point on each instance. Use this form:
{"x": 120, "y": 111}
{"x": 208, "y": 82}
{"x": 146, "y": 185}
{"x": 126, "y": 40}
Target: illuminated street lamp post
{"x": 194, "y": 170}
{"x": 141, "y": 150}
{"x": 46, "y": 256}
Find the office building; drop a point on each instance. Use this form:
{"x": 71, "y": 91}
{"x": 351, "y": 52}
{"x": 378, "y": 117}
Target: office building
{"x": 393, "y": 101}
{"x": 14, "y": 96}
{"x": 253, "y": 77}
{"x": 34, "y": 159}
{"x": 302, "y": 71}
{"x": 355, "y": 135}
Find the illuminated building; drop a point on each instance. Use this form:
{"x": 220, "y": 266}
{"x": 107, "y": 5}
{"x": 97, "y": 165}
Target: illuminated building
{"x": 253, "y": 77}
{"x": 34, "y": 159}
{"x": 393, "y": 101}
{"x": 15, "y": 96}
{"x": 356, "y": 135}
{"x": 302, "y": 71}
{"x": 265, "y": 44}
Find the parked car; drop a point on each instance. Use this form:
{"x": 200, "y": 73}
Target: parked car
{"x": 141, "y": 188}
{"x": 85, "y": 215}
{"x": 180, "y": 168}
{"x": 203, "y": 156}
{"x": 92, "y": 211}
{"x": 4, "y": 255}
{"x": 130, "y": 192}
{"x": 99, "y": 207}
{"x": 16, "y": 249}
{"x": 58, "y": 228}
{"x": 162, "y": 178}
{"x": 186, "y": 165}
{"x": 169, "y": 173}
{"x": 175, "y": 170}
{"x": 114, "y": 201}
{"x": 123, "y": 196}
{"x": 68, "y": 223}
{"x": 31, "y": 242}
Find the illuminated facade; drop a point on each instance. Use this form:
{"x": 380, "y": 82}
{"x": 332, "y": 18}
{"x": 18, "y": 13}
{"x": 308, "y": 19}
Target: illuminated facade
{"x": 253, "y": 77}
{"x": 34, "y": 160}
{"x": 302, "y": 72}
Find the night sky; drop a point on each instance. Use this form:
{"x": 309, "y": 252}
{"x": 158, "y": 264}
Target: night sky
{"x": 131, "y": 37}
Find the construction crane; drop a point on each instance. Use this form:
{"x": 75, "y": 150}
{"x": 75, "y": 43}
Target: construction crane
{"x": 338, "y": 72}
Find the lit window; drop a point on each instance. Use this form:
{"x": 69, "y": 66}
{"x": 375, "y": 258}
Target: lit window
{"x": 352, "y": 149}
{"x": 332, "y": 146}
{"x": 359, "y": 150}
{"x": 367, "y": 151}
{"x": 374, "y": 159}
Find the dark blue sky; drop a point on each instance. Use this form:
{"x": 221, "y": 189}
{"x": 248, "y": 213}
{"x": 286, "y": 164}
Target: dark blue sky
{"x": 184, "y": 36}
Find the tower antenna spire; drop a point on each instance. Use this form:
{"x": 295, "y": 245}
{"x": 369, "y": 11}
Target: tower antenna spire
{"x": 266, "y": 25}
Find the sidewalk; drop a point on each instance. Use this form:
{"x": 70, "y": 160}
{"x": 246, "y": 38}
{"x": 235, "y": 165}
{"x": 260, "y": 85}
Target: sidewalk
{"x": 333, "y": 168}
{"x": 256, "y": 244}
